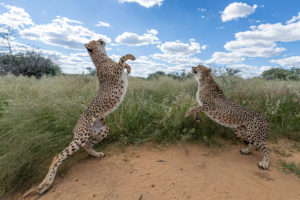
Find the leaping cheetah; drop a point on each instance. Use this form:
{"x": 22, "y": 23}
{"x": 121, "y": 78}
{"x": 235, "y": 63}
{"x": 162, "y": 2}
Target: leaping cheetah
{"x": 90, "y": 127}
{"x": 247, "y": 124}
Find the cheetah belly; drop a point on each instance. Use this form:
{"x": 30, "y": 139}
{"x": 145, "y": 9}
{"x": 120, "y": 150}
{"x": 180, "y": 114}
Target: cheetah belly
{"x": 199, "y": 101}
{"x": 221, "y": 122}
{"x": 125, "y": 84}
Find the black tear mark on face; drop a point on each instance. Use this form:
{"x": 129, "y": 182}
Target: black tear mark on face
{"x": 194, "y": 70}
{"x": 89, "y": 50}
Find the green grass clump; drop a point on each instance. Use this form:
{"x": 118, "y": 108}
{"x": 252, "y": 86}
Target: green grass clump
{"x": 291, "y": 167}
{"x": 37, "y": 117}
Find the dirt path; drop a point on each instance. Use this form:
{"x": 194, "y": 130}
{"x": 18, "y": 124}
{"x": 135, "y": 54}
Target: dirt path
{"x": 184, "y": 171}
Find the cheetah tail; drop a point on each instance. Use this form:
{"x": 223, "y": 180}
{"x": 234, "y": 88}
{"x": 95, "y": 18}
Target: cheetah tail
{"x": 30, "y": 194}
{"x": 123, "y": 59}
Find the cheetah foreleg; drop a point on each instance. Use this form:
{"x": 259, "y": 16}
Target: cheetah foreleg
{"x": 264, "y": 164}
{"x": 195, "y": 111}
{"x": 127, "y": 67}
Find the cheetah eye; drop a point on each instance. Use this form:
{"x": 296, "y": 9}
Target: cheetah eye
{"x": 101, "y": 42}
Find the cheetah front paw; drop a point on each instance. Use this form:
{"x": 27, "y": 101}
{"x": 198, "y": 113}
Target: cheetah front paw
{"x": 187, "y": 115}
{"x": 99, "y": 155}
{"x": 128, "y": 68}
{"x": 245, "y": 151}
{"x": 195, "y": 116}
{"x": 263, "y": 165}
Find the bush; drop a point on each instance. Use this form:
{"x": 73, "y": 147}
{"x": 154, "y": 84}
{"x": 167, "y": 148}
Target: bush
{"x": 281, "y": 74}
{"x": 28, "y": 64}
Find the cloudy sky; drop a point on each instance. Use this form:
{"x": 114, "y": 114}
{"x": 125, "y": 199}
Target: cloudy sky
{"x": 166, "y": 35}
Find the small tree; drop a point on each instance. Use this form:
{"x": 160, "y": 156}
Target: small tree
{"x": 7, "y": 33}
{"x": 275, "y": 73}
{"x": 91, "y": 71}
{"x": 232, "y": 72}
{"x": 28, "y": 64}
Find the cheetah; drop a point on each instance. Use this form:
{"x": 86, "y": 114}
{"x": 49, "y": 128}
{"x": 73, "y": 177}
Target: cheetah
{"x": 247, "y": 124}
{"x": 90, "y": 127}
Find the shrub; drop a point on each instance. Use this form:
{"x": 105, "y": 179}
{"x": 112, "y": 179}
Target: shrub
{"x": 281, "y": 74}
{"x": 28, "y": 64}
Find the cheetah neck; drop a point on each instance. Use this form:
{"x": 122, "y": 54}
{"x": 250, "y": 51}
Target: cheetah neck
{"x": 98, "y": 58}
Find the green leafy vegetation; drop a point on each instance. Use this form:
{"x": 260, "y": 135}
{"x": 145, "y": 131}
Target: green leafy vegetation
{"x": 28, "y": 64}
{"x": 282, "y": 74}
{"x": 38, "y": 116}
{"x": 291, "y": 167}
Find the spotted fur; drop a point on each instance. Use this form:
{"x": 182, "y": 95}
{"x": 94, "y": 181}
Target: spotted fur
{"x": 90, "y": 127}
{"x": 247, "y": 124}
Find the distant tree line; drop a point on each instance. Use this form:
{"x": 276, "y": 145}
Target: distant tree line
{"x": 175, "y": 75}
{"x": 271, "y": 74}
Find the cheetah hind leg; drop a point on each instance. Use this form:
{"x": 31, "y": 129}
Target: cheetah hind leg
{"x": 94, "y": 153}
{"x": 49, "y": 179}
{"x": 98, "y": 132}
{"x": 241, "y": 132}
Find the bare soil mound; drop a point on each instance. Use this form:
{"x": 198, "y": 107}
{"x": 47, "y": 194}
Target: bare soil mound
{"x": 183, "y": 171}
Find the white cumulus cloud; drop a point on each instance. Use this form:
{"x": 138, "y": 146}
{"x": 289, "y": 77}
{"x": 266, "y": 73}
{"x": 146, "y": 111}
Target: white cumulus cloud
{"x": 145, "y": 3}
{"x": 259, "y": 41}
{"x": 178, "y": 47}
{"x": 15, "y": 18}
{"x": 133, "y": 39}
{"x": 179, "y": 55}
{"x": 104, "y": 24}
{"x": 62, "y": 32}
{"x": 293, "y": 61}
{"x": 249, "y": 71}
{"x": 225, "y": 58}
{"x": 237, "y": 10}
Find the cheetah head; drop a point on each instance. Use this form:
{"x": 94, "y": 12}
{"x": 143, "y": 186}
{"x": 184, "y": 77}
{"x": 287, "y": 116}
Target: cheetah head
{"x": 201, "y": 72}
{"x": 95, "y": 47}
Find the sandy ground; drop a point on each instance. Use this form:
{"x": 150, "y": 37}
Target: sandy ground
{"x": 183, "y": 171}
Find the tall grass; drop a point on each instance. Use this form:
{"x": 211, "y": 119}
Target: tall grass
{"x": 37, "y": 117}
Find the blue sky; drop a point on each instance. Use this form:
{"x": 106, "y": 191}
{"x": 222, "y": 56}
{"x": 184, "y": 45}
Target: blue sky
{"x": 165, "y": 35}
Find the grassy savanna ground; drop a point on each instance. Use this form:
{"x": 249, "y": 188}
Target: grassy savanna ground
{"x": 37, "y": 117}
